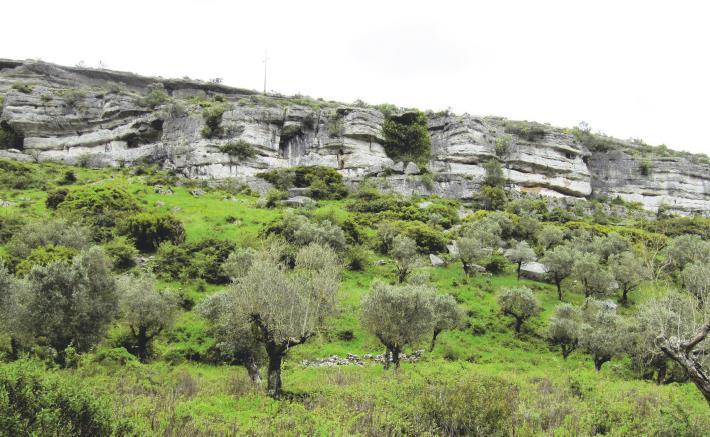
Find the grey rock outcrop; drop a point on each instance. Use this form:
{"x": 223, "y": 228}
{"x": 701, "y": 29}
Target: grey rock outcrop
{"x": 102, "y": 118}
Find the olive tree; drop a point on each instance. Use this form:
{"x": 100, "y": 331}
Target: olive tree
{"x": 609, "y": 245}
{"x": 564, "y": 328}
{"x": 628, "y": 271}
{"x": 520, "y": 303}
{"x": 696, "y": 279}
{"x": 398, "y": 316}
{"x": 519, "y": 254}
{"x": 595, "y": 278}
{"x": 405, "y": 255}
{"x": 602, "y": 331}
{"x": 471, "y": 250}
{"x": 687, "y": 249}
{"x": 446, "y": 315}
{"x": 682, "y": 328}
{"x": 146, "y": 310}
{"x": 11, "y": 290}
{"x": 236, "y": 343}
{"x": 559, "y": 262}
{"x": 70, "y": 303}
{"x": 286, "y": 307}
{"x": 238, "y": 263}
{"x": 549, "y": 236}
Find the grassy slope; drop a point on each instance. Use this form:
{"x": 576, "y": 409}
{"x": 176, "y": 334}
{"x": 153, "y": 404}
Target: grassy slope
{"x": 558, "y": 395}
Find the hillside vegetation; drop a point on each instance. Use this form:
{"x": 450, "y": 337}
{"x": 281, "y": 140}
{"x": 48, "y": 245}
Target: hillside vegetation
{"x": 135, "y": 302}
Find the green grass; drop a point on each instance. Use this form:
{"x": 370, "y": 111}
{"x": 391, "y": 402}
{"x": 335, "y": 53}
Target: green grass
{"x": 172, "y": 396}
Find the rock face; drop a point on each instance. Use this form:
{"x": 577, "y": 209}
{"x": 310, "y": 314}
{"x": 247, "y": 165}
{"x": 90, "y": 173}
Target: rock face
{"x": 106, "y": 118}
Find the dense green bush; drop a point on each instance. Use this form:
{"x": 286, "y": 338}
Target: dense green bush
{"x": 20, "y": 175}
{"x": 212, "y": 115}
{"x": 102, "y": 207}
{"x": 480, "y": 406}
{"x": 527, "y": 130}
{"x": 239, "y": 149}
{"x": 44, "y": 256}
{"x": 299, "y": 230}
{"x": 428, "y": 239}
{"x": 55, "y": 197}
{"x": 122, "y": 252}
{"x": 407, "y": 137}
{"x": 10, "y": 138}
{"x": 34, "y": 401}
{"x": 149, "y": 230}
{"x": 324, "y": 182}
{"x": 199, "y": 260}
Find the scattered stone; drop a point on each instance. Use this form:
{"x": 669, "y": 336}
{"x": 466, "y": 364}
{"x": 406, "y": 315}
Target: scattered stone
{"x": 453, "y": 248}
{"x": 298, "y": 202}
{"x": 6, "y": 203}
{"x": 380, "y": 262}
{"x": 478, "y": 269}
{"x": 352, "y": 359}
{"x": 425, "y": 204}
{"x": 198, "y": 192}
{"x": 159, "y": 203}
{"x": 398, "y": 167}
{"x": 165, "y": 191}
{"x": 436, "y": 261}
{"x": 411, "y": 169}
{"x": 175, "y": 209}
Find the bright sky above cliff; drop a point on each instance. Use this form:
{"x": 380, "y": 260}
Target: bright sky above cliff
{"x": 630, "y": 69}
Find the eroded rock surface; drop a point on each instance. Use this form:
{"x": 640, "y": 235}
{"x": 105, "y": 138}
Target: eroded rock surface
{"x": 102, "y": 118}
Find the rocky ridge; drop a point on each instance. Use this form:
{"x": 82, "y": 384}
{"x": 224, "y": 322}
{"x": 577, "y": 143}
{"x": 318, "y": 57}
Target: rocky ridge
{"x": 103, "y": 118}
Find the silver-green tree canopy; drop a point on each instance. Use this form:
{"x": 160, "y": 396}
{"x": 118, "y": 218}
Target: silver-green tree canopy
{"x": 447, "y": 315}
{"x": 286, "y": 307}
{"x": 146, "y": 310}
{"x": 629, "y": 271}
{"x": 398, "y": 316}
{"x": 520, "y": 303}
{"x": 603, "y": 331}
{"x": 471, "y": 250}
{"x": 594, "y": 277}
{"x": 559, "y": 262}
{"x": 519, "y": 254}
{"x": 405, "y": 255}
{"x": 549, "y": 236}
{"x": 69, "y": 303}
{"x": 564, "y": 328}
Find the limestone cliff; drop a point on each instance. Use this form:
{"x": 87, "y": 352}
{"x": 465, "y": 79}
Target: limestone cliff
{"x": 102, "y": 117}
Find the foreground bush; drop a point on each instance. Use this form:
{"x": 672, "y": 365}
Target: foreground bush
{"x": 472, "y": 406}
{"x": 35, "y": 402}
{"x": 149, "y": 230}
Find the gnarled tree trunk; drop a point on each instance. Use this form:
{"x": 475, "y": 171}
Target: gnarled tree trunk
{"x": 682, "y": 353}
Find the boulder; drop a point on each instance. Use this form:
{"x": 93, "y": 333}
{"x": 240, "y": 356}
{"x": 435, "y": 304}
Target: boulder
{"x": 411, "y": 169}
{"x": 425, "y": 204}
{"x": 298, "y": 202}
{"x": 298, "y": 192}
{"x": 397, "y": 167}
{"x": 453, "y": 248}
{"x": 436, "y": 260}
{"x": 533, "y": 270}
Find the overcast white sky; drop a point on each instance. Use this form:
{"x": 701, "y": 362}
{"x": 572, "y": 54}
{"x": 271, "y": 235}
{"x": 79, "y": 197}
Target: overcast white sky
{"x": 629, "y": 68}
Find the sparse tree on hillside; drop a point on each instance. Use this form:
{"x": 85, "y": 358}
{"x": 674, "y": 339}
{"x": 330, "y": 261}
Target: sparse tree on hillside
{"x": 609, "y": 245}
{"x": 549, "y": 236}
{"x": 446, "y": 315}
{"x": 595, "y": 278}
{"x": 683, "y": 339}
{"x": 70, "y": 303}
{"x": 519, "y": 254}
{"x": 398, "y": 316}
{"x": 520, "y": 303}
{"x": 559, "y": 262}
{"x": 236, "y": 342}
{"x": 238, "y": 263}
{"x": 628, "y": 271}
{"x": 405, "y": 255}
{"x": 564, "y": 328}
{"x": 687, "y": 249}
{"x": 287, "y": 308}
{"x": 696, "y": 279}
{"x": 470, "y": 251}
{"x": 602, "y": 333}
{"x": 11, "y": 291}
{"x": 147, "y": 311}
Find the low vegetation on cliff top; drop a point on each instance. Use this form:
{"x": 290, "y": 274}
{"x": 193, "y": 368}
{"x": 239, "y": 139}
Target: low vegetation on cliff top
{"x": 137, "y": 303}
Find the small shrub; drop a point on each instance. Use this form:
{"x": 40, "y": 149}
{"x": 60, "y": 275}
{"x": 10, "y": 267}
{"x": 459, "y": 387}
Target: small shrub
{"x": 324, "y": 182}
{"x": 149, "y": 230}
{"x": 239, "y": 149}
{"x": 122, "y": 253}
{"x": 357, "y": 258}
{"x": 495, "y": 263}
{"x": 55, "y": 197}
{"x": 10, "y": 138}
{"x": 36, "y": 402}
{"x": 22, "y": 87}
{"x": 155, "y": 96}
{"x": 44, "y": 256}
{"x": 69, "y": 178}
{"x": 646, "y": 167}
{"x": 213, "y": 120}
{"x": 472, "y": 406}
{"x": 407, "y": 137}
{"x": 529, "y": 131}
